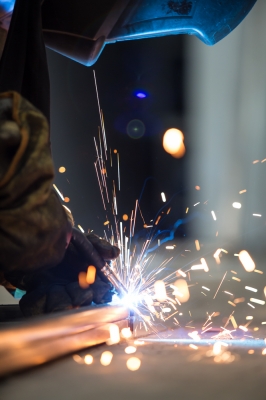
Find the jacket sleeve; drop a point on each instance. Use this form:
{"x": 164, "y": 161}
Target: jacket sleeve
{"x": 33, "y": 224}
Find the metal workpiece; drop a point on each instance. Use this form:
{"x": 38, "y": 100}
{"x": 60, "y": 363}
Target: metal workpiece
{"x": 39, "y": 340}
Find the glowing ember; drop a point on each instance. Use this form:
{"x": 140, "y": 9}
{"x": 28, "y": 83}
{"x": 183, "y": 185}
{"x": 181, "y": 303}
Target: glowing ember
{"x": 88, "y": 359}
{"x": 133, "y": 363}
{"x": 243, "y": 328}
{"x": 251, "y": 289}
{"x": 173, "y": 142}
{"x": 262, "y": 302}
{"x": 126, "y": 333}
{"x": 193, "y": 346}
{"x": 139, "y": 342}
{"x": 82, "y": 278}
{"x": 62, "y": 170}
{"x": 181, "y": 291}
{"x": 91, "y": 275}
{"x": 78, "y": 359}
{"x": 106, "y": 358}
{"x": 213, "y": 215}
{"x": 246, "y": 261}
{"x": 114, "y": 334}
{"x": 197, "y": 245}
{"x": 160, "y": 291}
{"x": 130, "y": 350}
{"x": 81, "y": 229}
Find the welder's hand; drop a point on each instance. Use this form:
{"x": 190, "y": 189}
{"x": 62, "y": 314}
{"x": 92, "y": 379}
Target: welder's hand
{"x": 58, "y": 289}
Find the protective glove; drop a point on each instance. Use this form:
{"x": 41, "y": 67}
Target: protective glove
{"x": 58, "y": 289}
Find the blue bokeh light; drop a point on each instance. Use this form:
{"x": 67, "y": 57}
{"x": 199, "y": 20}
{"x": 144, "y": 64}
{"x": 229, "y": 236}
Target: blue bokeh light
{"x": 141, "y": 95}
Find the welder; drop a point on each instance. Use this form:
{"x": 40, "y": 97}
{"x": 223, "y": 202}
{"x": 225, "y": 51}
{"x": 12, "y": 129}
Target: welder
{"x": 40, "y": 251}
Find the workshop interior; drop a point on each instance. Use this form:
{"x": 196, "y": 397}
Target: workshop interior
{"x": 132, "y": 199}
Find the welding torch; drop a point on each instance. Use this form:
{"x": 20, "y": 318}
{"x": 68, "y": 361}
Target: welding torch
{"x": 91, "y": 250}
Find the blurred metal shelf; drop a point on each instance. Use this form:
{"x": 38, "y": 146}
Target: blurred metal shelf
{"x": 36, "y": 341}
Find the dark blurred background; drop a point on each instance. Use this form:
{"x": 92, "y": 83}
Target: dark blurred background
{"x": 215, "y": 95}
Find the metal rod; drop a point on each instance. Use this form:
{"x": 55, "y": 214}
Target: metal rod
{"x": 38, "y": 340}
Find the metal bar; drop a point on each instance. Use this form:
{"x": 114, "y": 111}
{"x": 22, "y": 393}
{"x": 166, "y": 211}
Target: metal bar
{"x": 36, "y": 341}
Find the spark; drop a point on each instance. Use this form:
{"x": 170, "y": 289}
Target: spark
{"x": 160, "y": 291}
{"x": 232, "y": 304}
{"x": 180, "y": 272}
{"x": 193, "y": 346}
{"x": 242, "y": 191}
{"x": 91, "y": 275}
{"x": 263, "y": 323}
{"x": 205, "y": 266}
{"x": 257, "y": 301}
{"x": 163, "y": 197}
{"x": 170, "y": 247}
{"x": 251, "y": 289}
{"x": 220, "y": 285}
{"x": 118, "y": 170}
{"x": 250, "y": 305}
{"x": 236, "y": 279}
{"x": 246, "y": 261}
{"x": 236, "y": 205}
{"x": 256, "y": 215}
{"x": 133, "y": 363}
{"x": 88, "y": 359}
{"x": 130, "y": 349}
{"x": 249, "y": 317}
{"x": 126, "y": 333}
{"x": 203, "y": 287}
{"x": 196, "y": 267}
{"x": 213, "y": 215}
{"x": 258, "y": 271}
{"x": 62, "y": 170}
{"x": 82, "y": 279}
{"x": 255, "y": 161}
{"x": 216, "y": 254}
{"x": 139, "y": 342}
{"x": 239, "y": 300}
{"x": 243, "y": 328}
{"x": 232, "y": 319}
{"x": 196, "y": 203}
{"x": 187, "y": 210}
{"x": 114, "y": 334}
{"x": 81, "y": 229}
{"x": 58, "y": 192}
{"x": 106, "y": 358}
{"x": 78, "y": 359}
{"x": 197, "y": 245}
{"x": 100, "y": 114}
